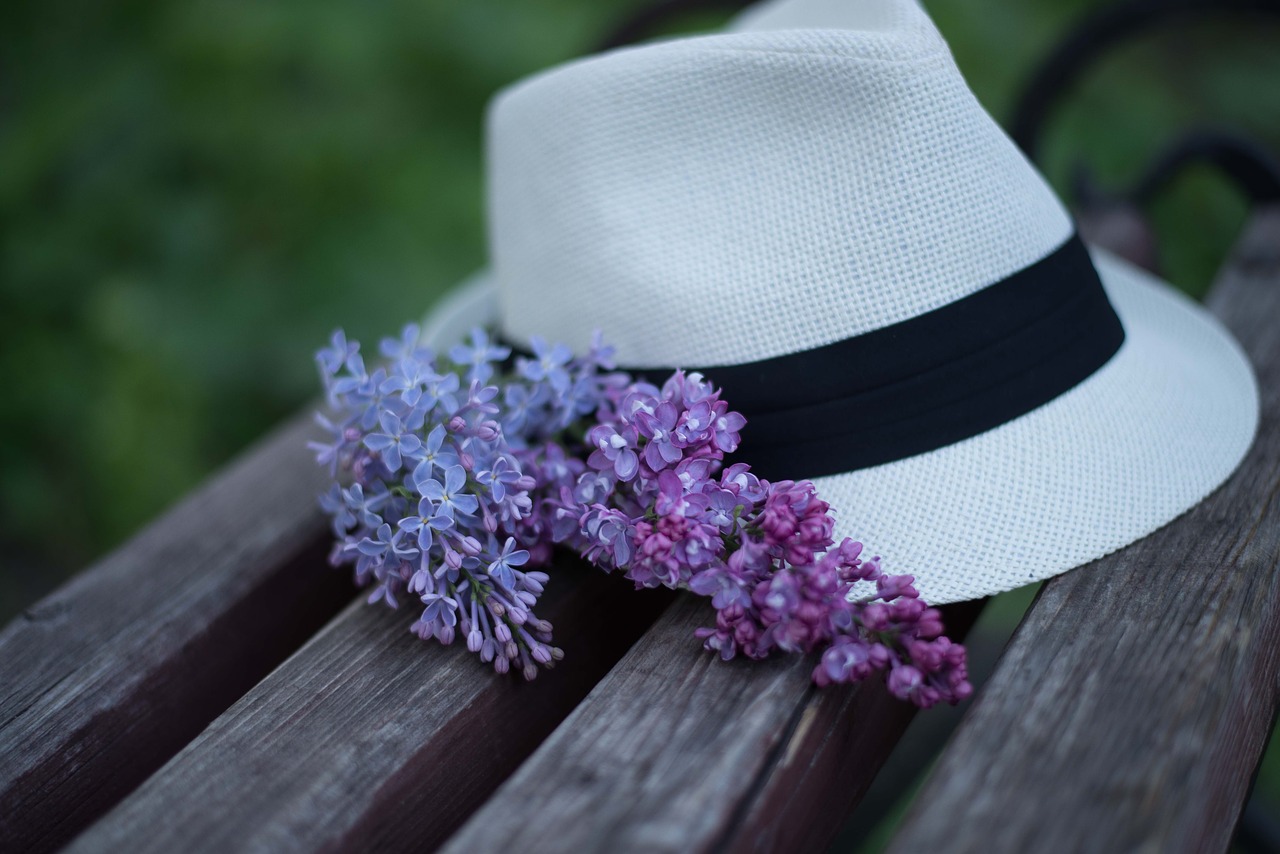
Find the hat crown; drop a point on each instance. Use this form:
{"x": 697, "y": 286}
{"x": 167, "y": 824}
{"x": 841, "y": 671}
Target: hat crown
{"x": 725, "y": 199}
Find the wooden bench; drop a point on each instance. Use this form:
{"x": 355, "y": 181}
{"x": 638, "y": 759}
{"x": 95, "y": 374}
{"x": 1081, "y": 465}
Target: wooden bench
{"x": 214, "y": 686}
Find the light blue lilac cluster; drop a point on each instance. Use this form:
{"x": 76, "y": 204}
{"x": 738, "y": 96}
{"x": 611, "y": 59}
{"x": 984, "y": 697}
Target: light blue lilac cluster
{"x": 456, "y": 495}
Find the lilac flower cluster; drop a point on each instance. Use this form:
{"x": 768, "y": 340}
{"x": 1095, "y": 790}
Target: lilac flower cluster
{"x": 456, "y": 495}
{"x": 438, "y": 492}
{"x": 665, "y": 512}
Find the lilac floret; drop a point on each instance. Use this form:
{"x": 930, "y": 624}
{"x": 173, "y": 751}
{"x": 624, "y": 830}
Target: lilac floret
{"x": 448, "y": 495}
{"x": 395, "y": 443}
{"x": 725, "y": 586}
{"x": 407, "y": 346}
{"x": 549, "y": 363}
{"x": 502, "y": 569}
{"x": 384, "y": 545}
{"x": 436, "y": 454}
{"x": 608, "y": 536}
{"x": 614, "y": 450}
{"x": 661, "y": 449}
{"x": 411, "y": 381}
{"x": 479, "y": 356}
{"x": 425, "y": 523}
{"x": 332, "y": 358}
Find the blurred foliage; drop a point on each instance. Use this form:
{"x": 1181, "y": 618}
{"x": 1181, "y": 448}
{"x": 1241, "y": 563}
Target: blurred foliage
{"x": 1220, "y": 71}
{"x": 192, "y": 195}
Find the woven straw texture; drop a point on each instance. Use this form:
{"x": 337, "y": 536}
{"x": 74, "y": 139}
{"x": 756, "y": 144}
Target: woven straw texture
{"x": 722, "y": 199}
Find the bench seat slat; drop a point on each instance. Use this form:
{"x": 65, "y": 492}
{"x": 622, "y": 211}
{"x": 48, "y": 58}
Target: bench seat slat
{"x": 1132, "y": 705}
{"x": 370, "y": 738}
{"x": 679, "y": 751}
{"x": 108, "y": 677}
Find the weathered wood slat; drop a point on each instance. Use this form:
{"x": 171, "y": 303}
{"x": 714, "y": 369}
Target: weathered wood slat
{"x": 369, "y": 738}
{"x": 678, "y": 751}
{"x": 1134, "y": 701}
{"x": 107, "y": 678}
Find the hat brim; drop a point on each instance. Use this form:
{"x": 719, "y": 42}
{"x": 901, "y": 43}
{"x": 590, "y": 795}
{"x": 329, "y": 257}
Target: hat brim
{"x": 1142, "y": 440}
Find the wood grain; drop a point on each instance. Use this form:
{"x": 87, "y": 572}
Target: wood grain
{"x": 678, "y": 751}
{"x": 369, "y": 738}
{"x": 1133, "y": 703}
{"x": 108, "y": 677}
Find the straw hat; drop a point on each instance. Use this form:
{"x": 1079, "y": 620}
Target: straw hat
{"x": 815, "y": 212}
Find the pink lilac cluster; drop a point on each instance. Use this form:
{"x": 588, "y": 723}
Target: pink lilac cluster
{"x": 661, "y": 508}
{"x": 456, "y": 495}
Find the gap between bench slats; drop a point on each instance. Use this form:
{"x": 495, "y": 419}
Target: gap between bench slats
{"x": 108, "y": 677}
{"x": 369, "y": 738}
{"x": 1146, "y": 736}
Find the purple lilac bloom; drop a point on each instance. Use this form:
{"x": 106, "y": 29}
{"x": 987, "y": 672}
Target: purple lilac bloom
{"x": 364, "y": 510}
{"x": 490, "y": 489}
{"x": 502, "y": 569}
{"x": 394, "y": 442}
{"x": 725, "y": 586}
{"x": 457, "y": 495}
{"x": 332, "y": 358}
{"x": 521, "y": 404}
{"x": 504, "y": 476}
{"x": 411, "y": 381}
{"x": 615, "y": 448}
{"x": 425, "y": 524}
{"x": 334, "y": 503}
{"x": 658, "y": 428}
{"x": 549, "y": 363}
{"x": 331, "y": 454}
{"x": 435, "y": 454}
{"x": 479, "y": 356}
{"x": 609, "y": 535}
{"x": 449, "y": 496}
{"x": 384, "y": 545}
{"x": 407, "y": 346}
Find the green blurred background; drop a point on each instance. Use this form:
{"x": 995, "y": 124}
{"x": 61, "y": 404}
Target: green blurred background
{"x": 194, "y": 194}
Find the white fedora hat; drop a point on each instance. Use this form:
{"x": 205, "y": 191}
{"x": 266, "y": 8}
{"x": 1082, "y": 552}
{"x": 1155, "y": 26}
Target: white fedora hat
{"x": 826, "y": 223}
